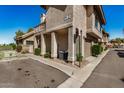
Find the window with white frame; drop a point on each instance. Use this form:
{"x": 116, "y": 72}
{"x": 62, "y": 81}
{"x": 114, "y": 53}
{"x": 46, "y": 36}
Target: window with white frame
{"x": 29, "y": 42}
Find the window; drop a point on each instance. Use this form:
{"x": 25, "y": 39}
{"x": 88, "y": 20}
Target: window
{"x": 96, "y": 23}
{"x": 100, "y": 28}
{"x": 29, "y": 42}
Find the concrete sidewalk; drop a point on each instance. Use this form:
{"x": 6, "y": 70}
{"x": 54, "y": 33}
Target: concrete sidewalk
{"x": 66, "y": 69}
{"x": 80, "y": 76}
{"x": 77, "y": 76}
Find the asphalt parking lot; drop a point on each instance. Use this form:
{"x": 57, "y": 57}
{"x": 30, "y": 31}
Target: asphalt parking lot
{"x": 29, "y": 73}
{"x": 109, "y": 73}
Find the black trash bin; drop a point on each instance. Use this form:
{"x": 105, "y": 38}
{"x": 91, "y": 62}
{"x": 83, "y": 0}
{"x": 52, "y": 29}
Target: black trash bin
{"x": 63, "y": 55}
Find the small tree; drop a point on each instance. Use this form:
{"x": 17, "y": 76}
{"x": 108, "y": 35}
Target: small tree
{"x": 13, "y": 45}
{"x": 30, "y": 30}
{"x": 96, "y": 50}
{"x": 19, "y": 48}
{"x": 118, "y": 40}
{"x": 19, "y": 33}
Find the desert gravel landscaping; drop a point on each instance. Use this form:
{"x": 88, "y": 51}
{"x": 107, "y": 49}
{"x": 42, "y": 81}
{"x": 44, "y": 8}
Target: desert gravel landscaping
{"x": 29, "y": 73}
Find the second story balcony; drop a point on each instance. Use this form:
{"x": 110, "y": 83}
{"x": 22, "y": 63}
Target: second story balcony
{"x": 94, "y": 27}
{"x": 58, "y": 16}
{"x": 40, "y": 27}
{"x": 95, "y": 20}
{"x": 105, "y": 37}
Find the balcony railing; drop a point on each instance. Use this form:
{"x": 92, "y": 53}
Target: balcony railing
{"x": 40, "y": 27}
{"x": 92, "y": 29}
{"x": 94, "y": 32}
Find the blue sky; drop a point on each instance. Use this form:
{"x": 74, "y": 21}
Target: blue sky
{"x": 115, "y": 20}
{"x": 13, "y": 18}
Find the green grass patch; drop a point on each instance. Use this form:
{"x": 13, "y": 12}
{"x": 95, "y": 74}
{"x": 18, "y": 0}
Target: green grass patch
{"x": 1, "y": 55}
{"x": 8, "y": 47}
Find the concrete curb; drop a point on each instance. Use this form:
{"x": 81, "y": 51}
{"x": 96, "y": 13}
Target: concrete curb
{"x": 64, "y": 68}
{"x": 80, "y": 76}
{"x": 12, "y": 59}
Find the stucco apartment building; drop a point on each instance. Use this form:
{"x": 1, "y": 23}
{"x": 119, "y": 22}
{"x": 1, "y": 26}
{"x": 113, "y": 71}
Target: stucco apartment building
{"x": 105, "y": 39}
{"x": 63, "y": 27}
{"x": 27, "y": 41}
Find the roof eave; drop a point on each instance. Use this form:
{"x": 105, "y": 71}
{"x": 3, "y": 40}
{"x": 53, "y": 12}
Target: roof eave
{"x": 100, "y": 9}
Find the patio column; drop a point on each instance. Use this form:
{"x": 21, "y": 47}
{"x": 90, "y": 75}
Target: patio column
{"x": 71, "y": 49}
{"x": 53, "y": 45}
{"x": 35, "y": 42}
{"x": 43, "y": 45}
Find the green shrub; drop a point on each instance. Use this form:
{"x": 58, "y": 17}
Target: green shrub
{"x": 105, "y": 48}
{"x": 79, "y": 57}
{"x": 5, "y": 47}
{"x": 37, "y": 51}
{"x": 101, "y": 49}
{"x": 19, "y": 48}
{"x": 1, "y": 55}
{"x": 14, "y": 46}
{"x": 96, "y": 50}
{"x": 47, "y": 55}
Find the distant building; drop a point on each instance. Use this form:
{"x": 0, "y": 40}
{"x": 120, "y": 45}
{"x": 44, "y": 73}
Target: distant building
{"x": 27, "y": 41}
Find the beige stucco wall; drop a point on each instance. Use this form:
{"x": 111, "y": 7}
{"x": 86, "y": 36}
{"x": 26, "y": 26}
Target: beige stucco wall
{"x": 82, "y": 17}
{"x": 71, "y": 45}
{"x": 47, "y": 38}
{"x": 79, "y": 18}
{"x": 29, "y": 48}
{"x": 56, "y": 14}
{"x": 79, "y": 21}
{"x": 105, "y": 39}
{"x": 89, "y": 13}
{"x": 91, "y": 17}
{"x": 87, "y": 49}
{"x": 30, "y": 38}
{"x": 62, "y": 40}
